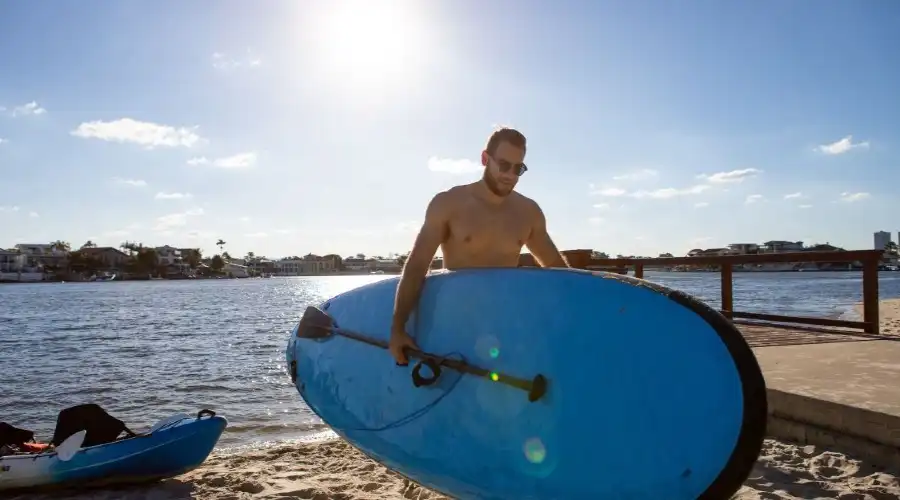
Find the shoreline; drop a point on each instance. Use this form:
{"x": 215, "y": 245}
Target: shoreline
{"x": 333, "y": 469}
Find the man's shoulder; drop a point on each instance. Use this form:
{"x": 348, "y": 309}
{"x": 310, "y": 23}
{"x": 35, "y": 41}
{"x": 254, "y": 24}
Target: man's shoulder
{"x": 525, "y": 202}
{"x": 452, "y": 195}
{"x": 442, "y": 203}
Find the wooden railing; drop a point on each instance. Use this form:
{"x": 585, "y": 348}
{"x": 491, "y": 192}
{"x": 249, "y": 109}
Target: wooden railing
{"x": 869, "y": 259}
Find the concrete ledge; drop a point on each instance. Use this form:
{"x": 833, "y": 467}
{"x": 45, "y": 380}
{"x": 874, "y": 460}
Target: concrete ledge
{"x": 873, "y": 436}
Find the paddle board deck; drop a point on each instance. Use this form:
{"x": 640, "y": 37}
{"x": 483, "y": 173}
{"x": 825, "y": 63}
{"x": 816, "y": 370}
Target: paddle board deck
{"x": 650, "y": 393}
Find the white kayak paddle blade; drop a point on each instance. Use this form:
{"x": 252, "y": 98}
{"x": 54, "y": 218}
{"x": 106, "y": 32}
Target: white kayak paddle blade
{"x": 178, "y": 417}
{"x": 68, "y": 448}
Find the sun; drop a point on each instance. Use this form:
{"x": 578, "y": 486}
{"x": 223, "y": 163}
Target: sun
{"x": 364, "y": 43}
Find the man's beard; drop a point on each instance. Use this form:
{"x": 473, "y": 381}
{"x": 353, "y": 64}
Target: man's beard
{"x": 493, "y": 186}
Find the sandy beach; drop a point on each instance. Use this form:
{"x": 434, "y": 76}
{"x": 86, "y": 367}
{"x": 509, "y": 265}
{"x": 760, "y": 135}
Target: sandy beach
{"x": 889, "y": 313}
{"x": 333, "y": 469}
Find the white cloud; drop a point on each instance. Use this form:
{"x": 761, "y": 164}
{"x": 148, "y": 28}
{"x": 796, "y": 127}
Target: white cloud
{"x": 3, "y": 141}
{"x": 851, "y": 197}
{"x": 172, "y": 196}
{"x": 9, "y": 208}
{"x": 753, "y": 198}
{"x": 240, "y": 160}
{"x": 610, "y": 191}
{"x": 30, "y": 109}
{"x": 666, "y": 193}
{"x": 793, "y": 196}
{"x": 407, "y": 226}
{"x": 130, "y": 182}
{"x": 659, "y": 194}
{"x": 147, "y": 134}
{"x": 730, "y": 177}
{"x": 595, "y": 221}
{"x": 224, "y": 62}
{"x": 33, "y": 214}
{"x": 804, "y": 206}
{"x": 637, "y": 175}
{"x": 167, "y": 222}
{"x": 842, "y": 146}
{"x": 284, "y": 231}
{"x": 244, "y": 219}
{"x": 256, "y": 235}
{"x": 701, "y": 204}
{"x": 601, "y": 206}
{"x": 451, "y": 166}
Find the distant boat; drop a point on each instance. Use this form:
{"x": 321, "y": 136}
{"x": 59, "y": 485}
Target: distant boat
{"x": 103, "y": 277}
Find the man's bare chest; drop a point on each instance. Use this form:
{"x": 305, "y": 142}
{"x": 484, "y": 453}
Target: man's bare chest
{"x": 475, "y": 226}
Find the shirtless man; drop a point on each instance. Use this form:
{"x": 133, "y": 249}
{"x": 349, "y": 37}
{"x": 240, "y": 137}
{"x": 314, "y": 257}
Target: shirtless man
{"x": 483, "y": 224}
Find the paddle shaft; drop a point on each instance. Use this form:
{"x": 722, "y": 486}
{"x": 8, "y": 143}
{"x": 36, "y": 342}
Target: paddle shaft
{"x": 453, "y": 364}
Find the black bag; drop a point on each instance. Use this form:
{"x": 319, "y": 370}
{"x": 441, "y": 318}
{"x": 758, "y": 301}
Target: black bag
{"x": 13, "y": 436}
{"x": 101, "y": 427}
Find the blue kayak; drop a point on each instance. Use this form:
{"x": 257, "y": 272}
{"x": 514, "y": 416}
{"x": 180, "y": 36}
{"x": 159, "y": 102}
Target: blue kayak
{"x": 173, "y": 446}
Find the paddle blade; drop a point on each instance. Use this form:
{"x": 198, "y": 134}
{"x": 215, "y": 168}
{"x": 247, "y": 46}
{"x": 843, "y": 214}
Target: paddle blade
{"x": 315, "y": 324}
{"x": 178, "y": 417}
{"x": 68, "y": 448}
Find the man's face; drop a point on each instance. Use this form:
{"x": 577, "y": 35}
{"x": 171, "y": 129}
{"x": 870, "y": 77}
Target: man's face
{"x": 501, "y": 170}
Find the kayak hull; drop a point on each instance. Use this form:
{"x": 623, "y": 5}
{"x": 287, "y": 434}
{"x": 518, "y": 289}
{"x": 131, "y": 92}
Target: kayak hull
{"x": 174, "y": 449}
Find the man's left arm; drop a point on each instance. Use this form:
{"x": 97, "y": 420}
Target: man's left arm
{"x": 541, "y": 245}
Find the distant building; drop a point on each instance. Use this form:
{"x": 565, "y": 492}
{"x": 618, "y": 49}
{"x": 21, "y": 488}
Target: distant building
{"x": 779, "y": 246}
{"x": 744, "y": 248}
{"x": 309, "y": 264}
{"x": 112, "y": 258}
{"x": 168, "y": 256}
{"x": 882, "y": 238}
{"x": 11, "y": 262}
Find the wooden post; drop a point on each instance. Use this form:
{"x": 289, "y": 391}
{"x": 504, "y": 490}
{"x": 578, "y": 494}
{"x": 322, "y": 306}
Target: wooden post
{"x": 727, "y": 298}
{"x": 639, "y": 271}
{"x": 870, "y": 296}
{"x": 578, "y": 259}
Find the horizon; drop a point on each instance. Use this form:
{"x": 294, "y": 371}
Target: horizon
{"x": 325, "y": 127}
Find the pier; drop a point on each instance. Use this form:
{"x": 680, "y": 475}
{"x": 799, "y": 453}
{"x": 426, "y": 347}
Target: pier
{"x": 831, "y": 382}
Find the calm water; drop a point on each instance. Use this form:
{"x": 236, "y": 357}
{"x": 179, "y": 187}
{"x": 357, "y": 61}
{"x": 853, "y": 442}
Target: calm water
{"x": 145, "y": 350}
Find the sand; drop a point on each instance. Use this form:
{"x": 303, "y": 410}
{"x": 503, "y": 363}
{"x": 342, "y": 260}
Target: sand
{"x": 334, "y": 470}
{"x": 889, "y": 315}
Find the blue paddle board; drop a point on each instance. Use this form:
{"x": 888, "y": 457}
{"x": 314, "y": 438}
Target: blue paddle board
{"x": 596, "y": 385}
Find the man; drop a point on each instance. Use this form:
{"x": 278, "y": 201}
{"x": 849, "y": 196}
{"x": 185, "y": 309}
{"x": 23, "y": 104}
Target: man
{"x": 483, "y": 224}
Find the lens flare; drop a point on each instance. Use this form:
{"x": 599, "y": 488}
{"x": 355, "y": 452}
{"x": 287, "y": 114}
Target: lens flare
{"x": 495, "y": 376}
{"x": 535, "y": 452}
{"x": 494, "y": 352}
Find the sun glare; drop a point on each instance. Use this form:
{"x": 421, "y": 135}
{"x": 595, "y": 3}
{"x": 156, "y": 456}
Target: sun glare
{"x": 360, "y": 43}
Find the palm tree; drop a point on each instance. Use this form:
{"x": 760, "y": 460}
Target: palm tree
{"x": 221, "y": 244}
{"x": 89, "y": 244}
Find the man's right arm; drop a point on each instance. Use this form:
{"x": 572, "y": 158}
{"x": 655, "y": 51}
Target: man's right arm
{"x": 430, "y": 237}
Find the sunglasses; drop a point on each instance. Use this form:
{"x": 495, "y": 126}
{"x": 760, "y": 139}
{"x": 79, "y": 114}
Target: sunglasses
{"x": 505, "y": 166}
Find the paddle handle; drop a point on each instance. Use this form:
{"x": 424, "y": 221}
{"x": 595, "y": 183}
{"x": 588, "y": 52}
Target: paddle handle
{"x": 536, "y": 387}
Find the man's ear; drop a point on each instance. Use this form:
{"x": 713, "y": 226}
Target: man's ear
{"x": 484, "y": 158}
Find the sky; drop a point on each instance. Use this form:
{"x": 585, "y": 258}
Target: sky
{"x": 289, "y": 127}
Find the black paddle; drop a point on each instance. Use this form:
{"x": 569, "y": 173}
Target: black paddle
{"x": 317, "y": 324}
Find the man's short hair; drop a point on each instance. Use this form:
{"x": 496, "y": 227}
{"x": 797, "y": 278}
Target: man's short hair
{"x": 510, "y": 135}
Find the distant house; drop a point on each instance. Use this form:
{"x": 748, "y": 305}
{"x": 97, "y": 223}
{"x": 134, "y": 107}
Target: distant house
{"x": 778, "y": 246}
{"x": 710, "y": 252}
{"x": 112, "y": 258}
{"x": 168, "y": 256}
